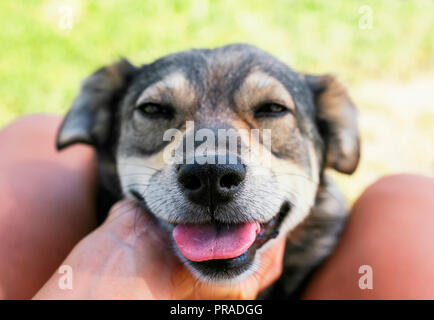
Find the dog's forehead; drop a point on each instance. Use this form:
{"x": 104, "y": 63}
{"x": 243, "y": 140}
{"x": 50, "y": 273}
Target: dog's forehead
{"x": 217, "y": 74}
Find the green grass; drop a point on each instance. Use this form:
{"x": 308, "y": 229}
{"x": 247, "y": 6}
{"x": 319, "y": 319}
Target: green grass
{"x": 41, "y": 65}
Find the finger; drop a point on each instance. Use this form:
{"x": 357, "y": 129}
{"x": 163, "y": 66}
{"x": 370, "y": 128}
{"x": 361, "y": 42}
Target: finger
{"x": 122, "y": 209}
{"x": 273, "y": 262}
{"x": 130, "y": 223}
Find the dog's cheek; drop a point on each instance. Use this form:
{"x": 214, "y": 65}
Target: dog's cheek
{"x": 299, "y": 188}
{"x": 136, "y": 171}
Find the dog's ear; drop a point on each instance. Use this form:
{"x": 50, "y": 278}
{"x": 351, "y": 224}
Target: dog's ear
{"x": 337, "y": 122}
{"x": 88, "y": 120}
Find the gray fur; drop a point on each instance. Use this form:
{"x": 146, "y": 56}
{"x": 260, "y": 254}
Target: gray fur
{"x": 222, "y": 88}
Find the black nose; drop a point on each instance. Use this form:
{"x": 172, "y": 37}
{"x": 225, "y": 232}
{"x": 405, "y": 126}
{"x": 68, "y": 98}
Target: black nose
{"x": 211, "y": 184}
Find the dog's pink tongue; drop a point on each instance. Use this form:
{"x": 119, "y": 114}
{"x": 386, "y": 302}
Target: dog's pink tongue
{"x": 200, "y": 242}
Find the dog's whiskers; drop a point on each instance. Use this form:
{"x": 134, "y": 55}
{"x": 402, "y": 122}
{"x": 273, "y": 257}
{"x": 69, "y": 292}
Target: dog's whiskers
{"x": 136, "y": 174}
{"x": 138, "y": 165}
{"x": 137, "y": 184}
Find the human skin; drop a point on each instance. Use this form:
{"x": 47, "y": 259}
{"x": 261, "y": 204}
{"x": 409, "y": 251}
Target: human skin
{"x": 48, "y": 207}
{"x": 135, "y": 261}
{"x": 391, "y": 230}
{"x": 46, "y": 201}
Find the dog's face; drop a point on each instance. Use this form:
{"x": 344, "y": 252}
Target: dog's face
{"x": 168, "y": 129}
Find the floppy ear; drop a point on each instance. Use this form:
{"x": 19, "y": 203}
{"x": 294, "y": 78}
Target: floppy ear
{"x": 337, "y": 122}
{"x": 88, "y": 120}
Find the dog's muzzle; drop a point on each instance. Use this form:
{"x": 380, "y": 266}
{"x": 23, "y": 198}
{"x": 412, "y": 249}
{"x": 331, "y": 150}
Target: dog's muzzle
{"x": 215, "y": 246}
{"x": 212, "y": 185}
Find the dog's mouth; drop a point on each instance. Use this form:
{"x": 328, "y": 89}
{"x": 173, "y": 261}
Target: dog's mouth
{"x": 222, "y": 251}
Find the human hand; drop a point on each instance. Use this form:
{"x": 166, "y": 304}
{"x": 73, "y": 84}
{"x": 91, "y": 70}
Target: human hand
{"x": 130, "y": 257}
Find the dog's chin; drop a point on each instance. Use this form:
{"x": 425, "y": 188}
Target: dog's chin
{"x": 234, "y": 269}
{"x": 224, "y": 271}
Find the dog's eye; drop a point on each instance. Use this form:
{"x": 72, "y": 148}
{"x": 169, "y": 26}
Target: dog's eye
{"x": 154, "y": 110}
{"x": 270, "y": 110}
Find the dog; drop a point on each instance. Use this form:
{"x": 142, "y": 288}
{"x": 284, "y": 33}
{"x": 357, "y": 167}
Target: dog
{"x": 222, "y": 215}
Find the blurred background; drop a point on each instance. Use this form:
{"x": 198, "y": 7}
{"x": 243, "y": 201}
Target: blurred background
{"x": 383, "y": 50}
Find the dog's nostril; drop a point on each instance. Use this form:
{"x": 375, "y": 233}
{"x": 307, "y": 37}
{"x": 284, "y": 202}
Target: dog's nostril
{"x": 192, "y": 183}
{"x": 211, "y": 185}
{"x": 230, "y": 181}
